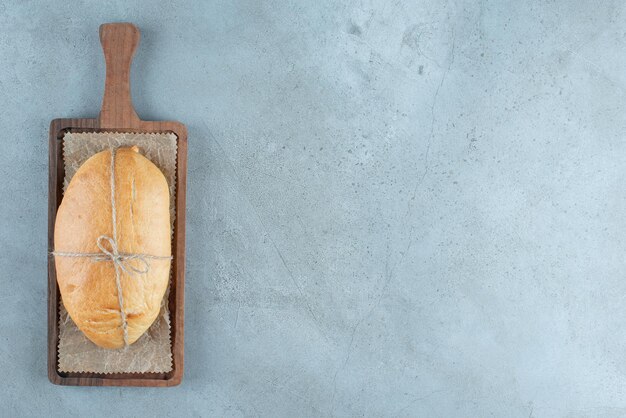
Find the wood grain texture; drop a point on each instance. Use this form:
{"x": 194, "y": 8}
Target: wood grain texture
{"x": 119, "y": 41}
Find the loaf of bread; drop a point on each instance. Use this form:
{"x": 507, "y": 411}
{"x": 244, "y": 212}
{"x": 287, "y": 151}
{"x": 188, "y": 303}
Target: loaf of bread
{"x": 96, "y": 259}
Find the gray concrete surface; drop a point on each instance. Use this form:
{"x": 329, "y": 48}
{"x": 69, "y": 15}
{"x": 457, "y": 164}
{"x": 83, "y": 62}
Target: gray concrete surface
{"x": 411, "y": 209}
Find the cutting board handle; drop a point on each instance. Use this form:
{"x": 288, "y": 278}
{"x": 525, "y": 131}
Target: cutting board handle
{"x": 119, "y": 42}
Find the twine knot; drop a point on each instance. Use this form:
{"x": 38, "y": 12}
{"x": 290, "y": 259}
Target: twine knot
{"x": 120, "y": 259}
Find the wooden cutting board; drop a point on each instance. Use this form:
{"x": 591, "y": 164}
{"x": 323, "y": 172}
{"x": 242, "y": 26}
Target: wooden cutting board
{"x": 119, "y": 42}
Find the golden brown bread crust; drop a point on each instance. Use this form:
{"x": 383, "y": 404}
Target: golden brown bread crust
{"x": 88, "y": 287}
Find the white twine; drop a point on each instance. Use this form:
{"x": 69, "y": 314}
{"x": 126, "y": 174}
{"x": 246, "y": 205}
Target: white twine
{"x": 119, "y": 259}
